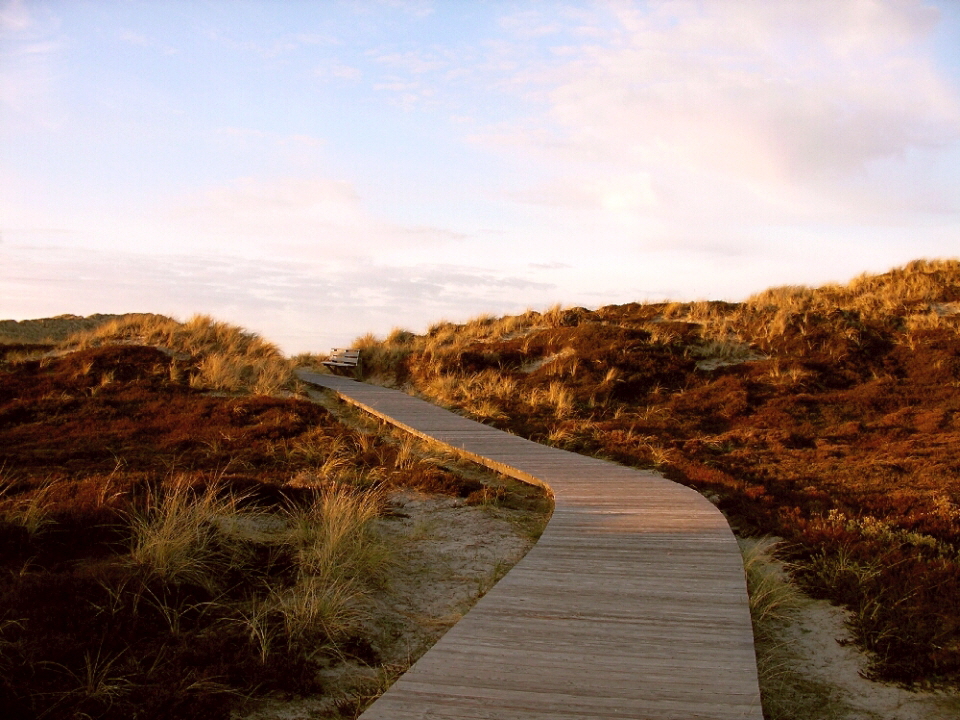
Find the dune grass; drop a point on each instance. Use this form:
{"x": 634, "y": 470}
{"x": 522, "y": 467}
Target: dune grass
{"x": 206, "y": 573}
{"x": 827, "y": 416}
{"x": 174, "y": 534}
{"x": 216, "y": 355}
{"x": 772, "y": 595}
{"x": 29, "y": 512}
{"x": 166, "y": 553}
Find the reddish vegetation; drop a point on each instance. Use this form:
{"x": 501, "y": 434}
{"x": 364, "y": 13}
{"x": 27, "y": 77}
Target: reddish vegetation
{"x": 88, "y": 438}
{"x": 97, "y": 411}
{"x": 840, "y": 433}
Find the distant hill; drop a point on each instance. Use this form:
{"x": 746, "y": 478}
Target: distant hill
{"x": 50, "y": 330}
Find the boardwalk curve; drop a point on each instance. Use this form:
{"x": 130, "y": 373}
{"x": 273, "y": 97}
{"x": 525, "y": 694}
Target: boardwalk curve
{"x": 632, "y": 604}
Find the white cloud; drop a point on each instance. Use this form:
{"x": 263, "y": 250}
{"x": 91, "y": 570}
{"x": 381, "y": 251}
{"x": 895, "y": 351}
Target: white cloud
{"x": 416, "y": 8}
{"x": 550, "y": 266}
{"x": 591, "y": 154}
{"x": 769, "y": 106}
{"x": 14, "y": 16}
{"x": 300, "y": 148}
{"x": 527, "y": 25}
{"x": 317, "y": 220}
{"x": 397, "y": 86}
{"x": 301, "y": 308}
{"x": 414, "y": 62}
{"x": 140, "y": 40}
{"x": 241, "y": 133}
{"x": 265, "y": 210}
{"x": 29, "y": 45}
{"x": 303, "y": 141}
{"x": 621, "y": 192}
{"x": 340, "y": 71}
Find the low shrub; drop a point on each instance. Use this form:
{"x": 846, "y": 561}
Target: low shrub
{"x": 827, "y": 416}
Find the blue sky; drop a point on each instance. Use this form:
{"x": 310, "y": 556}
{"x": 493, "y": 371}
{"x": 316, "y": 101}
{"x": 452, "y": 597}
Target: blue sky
{"x": 317, "y": 170}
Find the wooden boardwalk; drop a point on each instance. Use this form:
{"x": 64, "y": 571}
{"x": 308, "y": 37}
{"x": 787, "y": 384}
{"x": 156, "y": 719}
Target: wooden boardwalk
{"x": 632, "y": 604}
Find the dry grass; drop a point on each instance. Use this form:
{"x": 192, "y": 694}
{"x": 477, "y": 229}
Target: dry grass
{"x": 204, "y": 567}
{"x": 176, "y": 536}
{"x": 221, "y": 356}
{"x": 334, "y": 537}
{"x": 232, "y": 540}
{"x": 338, "y": 557}
{"x": 911, "y": 293}
{"x": 169, "y": 562}
{"x": 772, "y": 595}
{"x": 787, "y": 691}
{"x": 29, "y": 511}
{"x": 794, "y": 408}
{"x": 49, "y": 330}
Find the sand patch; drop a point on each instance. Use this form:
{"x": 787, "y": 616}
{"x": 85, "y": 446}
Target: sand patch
{"x": 811, "y": 670}
{"x": 942, "y": 309}
{"x": 448, "y": 554}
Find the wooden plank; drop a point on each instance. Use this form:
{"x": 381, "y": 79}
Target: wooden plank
{"x": 633, "y": 603}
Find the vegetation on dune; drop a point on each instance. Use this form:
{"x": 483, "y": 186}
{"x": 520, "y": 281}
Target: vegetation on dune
{"x": 827, "y": 416}
{"x": 209, "y": 354}
{"x": 167, "y": 551}
{"x": 213, "y": 354}
{"x": 49, "y": 330}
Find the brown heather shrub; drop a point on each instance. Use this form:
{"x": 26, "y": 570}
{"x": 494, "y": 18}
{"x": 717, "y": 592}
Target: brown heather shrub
{"x": 165, "y": 552}
{"x": 827, "y": 416}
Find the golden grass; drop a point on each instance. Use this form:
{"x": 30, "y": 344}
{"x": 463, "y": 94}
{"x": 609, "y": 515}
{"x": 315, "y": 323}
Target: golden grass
{"x": 175, "y": 537}
{"x": 29, "y": 511}
{"x": 315, "y": 611}
{"x": 22, "y": 356}
{"x": 912, "y": 293}
{"x": 803, "y": 351}
{"x": 49, "y": 330}
{"x": 193, "y": 537}
{"x": 912, "y": 290}
{"x": 334, "y": 536}
{"x": 832, "y": 318}
{"x": 339, "y": 556}
{"x": 786, "y": 692}
{"x": 772, "y": 595}
{"x": 221, "y": 356}
{"x": 443, "y": 343}
{"x": 188, "y": 571}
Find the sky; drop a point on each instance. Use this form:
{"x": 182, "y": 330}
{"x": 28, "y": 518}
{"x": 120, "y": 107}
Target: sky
{"x": 314, "y": 171}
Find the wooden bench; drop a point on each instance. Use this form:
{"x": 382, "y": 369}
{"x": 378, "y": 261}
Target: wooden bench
{"x": 343, "y": 358}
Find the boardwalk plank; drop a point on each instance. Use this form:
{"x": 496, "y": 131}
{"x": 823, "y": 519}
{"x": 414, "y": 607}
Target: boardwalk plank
{"x": 632, "y": 605}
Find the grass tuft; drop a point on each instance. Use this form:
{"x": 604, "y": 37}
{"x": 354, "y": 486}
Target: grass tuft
{"x": 175, "y": 537}
{"x": 28, "y": 509}
{"x": 772, "y": 595}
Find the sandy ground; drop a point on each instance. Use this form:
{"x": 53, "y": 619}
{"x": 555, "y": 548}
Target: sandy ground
{"x": 448, "y": 555}
{"x": 810, "y": 670}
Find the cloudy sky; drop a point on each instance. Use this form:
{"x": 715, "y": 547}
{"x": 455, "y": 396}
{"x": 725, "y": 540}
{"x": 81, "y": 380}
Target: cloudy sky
{"x": 317, "y": 170}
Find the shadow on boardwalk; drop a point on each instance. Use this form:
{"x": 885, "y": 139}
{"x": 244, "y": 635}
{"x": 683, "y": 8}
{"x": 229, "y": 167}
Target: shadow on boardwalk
{"x": 633, "y": 603}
